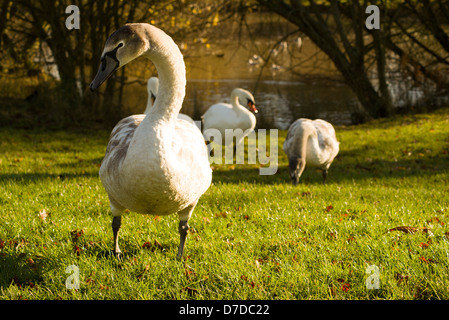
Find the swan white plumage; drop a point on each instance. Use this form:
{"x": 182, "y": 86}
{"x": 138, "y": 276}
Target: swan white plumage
{"x": 152, "y": 88}
{"x": 312, "y": 143}
{"x": 222, "y": 116}
{"x": 154, "y": 163}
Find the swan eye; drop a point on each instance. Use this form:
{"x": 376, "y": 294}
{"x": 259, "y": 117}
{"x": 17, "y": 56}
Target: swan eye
{"x": 103, "y": 64}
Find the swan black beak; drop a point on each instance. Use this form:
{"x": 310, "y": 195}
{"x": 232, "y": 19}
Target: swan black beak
{"x": 108, "y": 66}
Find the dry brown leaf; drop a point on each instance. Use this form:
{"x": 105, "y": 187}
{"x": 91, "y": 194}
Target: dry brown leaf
{"x": 410, "y": 230}
{"x": 191, "y": 291}
{"x": 43, "y": 214}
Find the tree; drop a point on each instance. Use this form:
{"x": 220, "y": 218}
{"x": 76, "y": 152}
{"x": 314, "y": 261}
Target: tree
{"x": 344, "y": 43}
{"x": 31, "y": 28}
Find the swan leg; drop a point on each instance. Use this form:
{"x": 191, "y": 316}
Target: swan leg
{"x": 116, "y": 224}
{"x": 183, "y": 229}
{"x": 184, "y": 216}
{"x": 324, "y": 175}
{"x": 210, "y": 151}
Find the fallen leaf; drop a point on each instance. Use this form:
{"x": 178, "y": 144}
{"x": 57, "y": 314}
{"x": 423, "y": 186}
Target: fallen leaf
{"x": 329, "y": 208}
{"x": 426, "y": 260}
{"x": 76, "y": 234}
{"x": 43, "y": 214}
{"x": 152, "y": 246}
{"x": 147, "y": 267}
{"x": 206, "y": 219}
{"x": 157, "y": 244}
{"x": 222, "y": 214}
{"x": 351, "y": 238}
{"x": 332, "y": 235}
{"x": 77, "y": 250}
{"x": 435, "y": 219}
{"x": 401, "y": 277}
{"x": 344, "y": 285}
{"x": 191, "y": 291}
{"x": 410, "y": 230}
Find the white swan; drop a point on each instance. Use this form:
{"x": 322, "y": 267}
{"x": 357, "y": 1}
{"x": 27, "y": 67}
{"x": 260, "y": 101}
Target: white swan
{"x": 312, "y": 143}
{"x": 152, "y": 88}
{"x": 154, "y": 163}
{"x": 222, "y": 116}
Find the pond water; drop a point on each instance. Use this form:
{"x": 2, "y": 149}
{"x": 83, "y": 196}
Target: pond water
{"x": 312, "y": 90}
{"x": 280, "y": 96}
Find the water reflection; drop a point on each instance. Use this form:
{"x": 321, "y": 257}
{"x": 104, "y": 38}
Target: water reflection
{"x": 279, "y": 102}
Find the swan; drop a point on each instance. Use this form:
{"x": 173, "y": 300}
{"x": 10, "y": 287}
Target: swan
{"x": 154, "y": 163}
{"x": 152, "y": 88}
{"x": 223, "y": 116}
{"x": 312, "y": 143}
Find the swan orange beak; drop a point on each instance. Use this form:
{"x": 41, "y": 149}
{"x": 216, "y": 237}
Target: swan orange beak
{"x": 252, "y": 107}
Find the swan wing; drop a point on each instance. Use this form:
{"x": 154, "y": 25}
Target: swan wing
{"x": 118, "y": 144}
{"x": 193, "y": 171}
{"x": 220, "y": 116}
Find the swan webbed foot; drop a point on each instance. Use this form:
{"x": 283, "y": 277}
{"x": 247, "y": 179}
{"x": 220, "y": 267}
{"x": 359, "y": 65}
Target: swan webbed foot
{"x": 183, "y": 230}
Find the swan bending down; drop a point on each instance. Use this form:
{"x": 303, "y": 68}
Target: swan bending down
{"x": 152, "y": 88}
{"x": 223, "y": 116}
{"x": 154, "y": 163}
{"x": 312, "y": 143}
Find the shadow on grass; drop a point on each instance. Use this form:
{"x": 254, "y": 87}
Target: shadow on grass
{"x": 33, "y": 177}
{"x": 20, "y": 271}
{"x": 339, "y": 172}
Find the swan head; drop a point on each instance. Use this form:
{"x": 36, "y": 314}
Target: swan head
{"x": 245, "y": 95}
{"x": 251, "y": 105}
{"x": 152, "y": 88}
{"x": 124, "y": 45}
{"x": 295, "y": 165}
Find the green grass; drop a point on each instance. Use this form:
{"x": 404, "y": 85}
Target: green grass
{"x": 252, "y": 236}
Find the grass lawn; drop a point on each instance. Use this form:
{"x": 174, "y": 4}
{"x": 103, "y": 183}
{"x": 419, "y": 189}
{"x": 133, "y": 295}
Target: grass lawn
{"x": 385, "y": 204}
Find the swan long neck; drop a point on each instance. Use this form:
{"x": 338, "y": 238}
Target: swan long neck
{"x": 235, "y": 101}
{"x": 149, "y": 105}
{"x": 170, "y": 66}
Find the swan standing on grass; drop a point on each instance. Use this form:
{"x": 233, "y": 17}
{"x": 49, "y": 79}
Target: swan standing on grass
{"x": 223, "y": 116}
{"x": 152, "y": 88}
{"x": 312, "y": 143}
{"x": 154, "y": 163}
